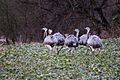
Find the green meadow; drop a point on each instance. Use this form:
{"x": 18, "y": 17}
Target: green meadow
{"x": 35, "y": 62}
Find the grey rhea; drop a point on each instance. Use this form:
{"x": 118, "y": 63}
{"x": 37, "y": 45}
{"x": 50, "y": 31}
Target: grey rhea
{"x": 50, "y": 41}
{"x": 61, "y": 40}
{"x": 83, "y": 39}
{"x": 93, "y": 41}
{"x": 72, "y": 40}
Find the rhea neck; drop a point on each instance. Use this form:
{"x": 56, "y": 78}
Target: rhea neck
{"x": 77, "y": 32}
{"x": 88, "y": 31}
{"x": 45, "y": 32}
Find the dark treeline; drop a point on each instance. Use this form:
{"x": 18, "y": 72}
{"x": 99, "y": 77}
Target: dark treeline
{"x": 22, "y": 20}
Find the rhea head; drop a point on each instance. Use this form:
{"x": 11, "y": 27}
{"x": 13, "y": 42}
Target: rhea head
{"x": 88, "y": 30}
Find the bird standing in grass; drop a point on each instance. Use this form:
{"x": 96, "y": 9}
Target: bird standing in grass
{"x": 61, "y": 40}
{"x": 91, "y": 41}
{"x": 82, "y": 40}
{"x": 94, "y": 42}
{"x": 50, "y": 41}
{"x": 72, "y": 40}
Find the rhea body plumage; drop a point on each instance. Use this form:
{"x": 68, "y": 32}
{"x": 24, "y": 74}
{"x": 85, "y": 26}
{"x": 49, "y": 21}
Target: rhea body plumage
{"x": 72, "y": 40}
{"x": 60, "y": 38}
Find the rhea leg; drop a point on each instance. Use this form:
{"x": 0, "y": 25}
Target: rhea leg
{"x": 75, "y": 53}
{"x": 99, "y": 50}
{"x": 86, "y": 52}
{"x": 72, "y": 56}
{"x": 92, "y": 49}
{"x": 55, "y": 49}
{"x": 59, "y": 49}
{"x": 89, "y": 48}
{"x": 49, "y": 47}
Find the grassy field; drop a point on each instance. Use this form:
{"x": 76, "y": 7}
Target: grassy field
{"x": 35, "y": 62}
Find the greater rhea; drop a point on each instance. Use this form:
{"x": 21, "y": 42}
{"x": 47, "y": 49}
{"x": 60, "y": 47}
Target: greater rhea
{"x": 50, "y": 41}
{"x": 72, "y": 40}
{"x": 93, "y": 41}
{"x": 61, "y": 40}
{"x": 83, "y": 39}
